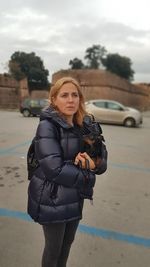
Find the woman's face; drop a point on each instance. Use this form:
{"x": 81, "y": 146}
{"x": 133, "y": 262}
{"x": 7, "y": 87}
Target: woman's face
{"x": 67, "y": 100}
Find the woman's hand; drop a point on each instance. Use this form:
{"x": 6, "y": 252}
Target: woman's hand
{"x": 82, "y": 157}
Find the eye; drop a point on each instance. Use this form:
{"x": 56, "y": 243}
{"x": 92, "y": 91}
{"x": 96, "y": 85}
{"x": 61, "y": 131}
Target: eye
{"x": 75, "y": 95}
{"x": 64, "y": 95}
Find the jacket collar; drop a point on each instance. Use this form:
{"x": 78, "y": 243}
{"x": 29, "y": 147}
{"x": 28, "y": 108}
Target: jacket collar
{"x": 54, "y": 115}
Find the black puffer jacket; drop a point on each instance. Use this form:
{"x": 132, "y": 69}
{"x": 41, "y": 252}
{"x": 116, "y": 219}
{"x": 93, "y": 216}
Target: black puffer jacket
{"x": 58, "y": 187}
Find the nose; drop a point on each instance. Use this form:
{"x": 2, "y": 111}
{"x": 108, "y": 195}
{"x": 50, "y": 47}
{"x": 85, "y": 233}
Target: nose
{"x": 70, "y": 98}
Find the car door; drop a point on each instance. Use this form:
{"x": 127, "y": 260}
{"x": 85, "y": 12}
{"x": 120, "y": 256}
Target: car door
{"x": 115, "y": 112}
{"x": 98, "y": 109}
{"x": 35, "y": 106}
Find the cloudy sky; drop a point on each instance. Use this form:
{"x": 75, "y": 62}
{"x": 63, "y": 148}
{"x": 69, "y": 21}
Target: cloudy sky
{"x": 59, "y": 30}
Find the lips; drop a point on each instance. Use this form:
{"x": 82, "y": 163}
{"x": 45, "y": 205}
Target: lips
{"x": 70, "y": 107}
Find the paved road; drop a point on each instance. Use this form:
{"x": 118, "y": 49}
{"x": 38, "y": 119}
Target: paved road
{"x": 115, "y": 231}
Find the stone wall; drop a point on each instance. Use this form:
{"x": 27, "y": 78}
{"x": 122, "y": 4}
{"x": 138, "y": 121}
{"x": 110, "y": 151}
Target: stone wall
{"x": 11, "y": 91}
{"x": 94, "y": 83}
{"x": 103, "y": 84}
{"x": 145, "y": 87}
{"x": 23, "y": 88}
{"x": 39, "y": 94}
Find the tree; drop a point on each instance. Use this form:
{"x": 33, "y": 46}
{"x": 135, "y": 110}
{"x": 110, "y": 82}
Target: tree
{"x": 119, "y": 65}
{"x": 76, "y": 63}
{"x": 29, "y": 65}
{"x": 94, "y": 56}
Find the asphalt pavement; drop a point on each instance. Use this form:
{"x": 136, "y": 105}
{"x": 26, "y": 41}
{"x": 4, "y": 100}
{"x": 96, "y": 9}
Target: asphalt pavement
{"x": 114, "y": 231}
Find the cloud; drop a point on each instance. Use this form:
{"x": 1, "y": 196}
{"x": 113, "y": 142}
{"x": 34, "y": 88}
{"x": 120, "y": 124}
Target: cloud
{"x": 58, "y": 31}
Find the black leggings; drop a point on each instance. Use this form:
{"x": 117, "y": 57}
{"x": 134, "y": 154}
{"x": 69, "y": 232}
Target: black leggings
{"x": 58, "y": 240}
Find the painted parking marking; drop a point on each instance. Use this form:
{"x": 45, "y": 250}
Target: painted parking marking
{"x": 108, "y": 234}
{"x": 11, "y": 149}
{"x": 15, "y": 214}
{"x": 26, "y": 143}
{"x": 130, "y": 167}
{"x": 102, "y": 233}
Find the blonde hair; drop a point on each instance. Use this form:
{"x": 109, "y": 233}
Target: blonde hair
{"x": 79, "y": 115}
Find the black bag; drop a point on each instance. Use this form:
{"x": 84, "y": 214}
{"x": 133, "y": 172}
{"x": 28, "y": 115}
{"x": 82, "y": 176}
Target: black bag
{"x": 32, "y": 162}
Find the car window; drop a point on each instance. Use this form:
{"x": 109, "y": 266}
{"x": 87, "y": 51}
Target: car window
{"x": 26, "y": 101}
{"x": 44, "y": 102}
{"x": 114, "y": 106}
{"x": 99, "y": 104}
{"x": 34, "y": 103}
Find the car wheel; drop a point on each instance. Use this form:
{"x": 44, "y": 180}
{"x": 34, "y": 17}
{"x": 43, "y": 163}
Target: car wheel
{"x": 129, "y": 122}
{"x": 26, "y": 113}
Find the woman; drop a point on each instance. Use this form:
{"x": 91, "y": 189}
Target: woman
{"x": 66, "y": 173}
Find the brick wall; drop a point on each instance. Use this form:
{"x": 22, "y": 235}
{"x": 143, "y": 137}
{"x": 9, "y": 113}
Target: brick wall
{"x": 11, "y": 91}
{"x": 102, "y": 84}
{"x": 95, "y": 84}
{"x": 39, "y": 94}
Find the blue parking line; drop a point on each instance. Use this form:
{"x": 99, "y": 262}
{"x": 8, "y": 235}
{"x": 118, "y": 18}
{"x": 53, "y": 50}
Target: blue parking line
{"x": 107, "y": 234}
{"x": 15, "y": 214}
{"x": 103, "y": 233}
{"x": 11, "y": 149}
{"x": 130, "y": 167}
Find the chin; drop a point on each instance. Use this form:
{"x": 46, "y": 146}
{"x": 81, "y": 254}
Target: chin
{"x": 70, "y": 114}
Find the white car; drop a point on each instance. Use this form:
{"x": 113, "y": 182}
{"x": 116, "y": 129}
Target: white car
{"x": 113, "y": 112}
